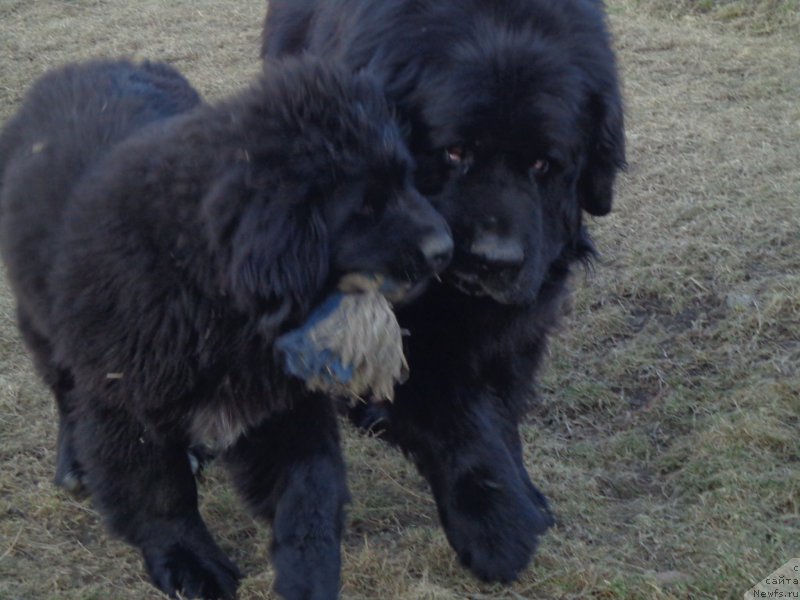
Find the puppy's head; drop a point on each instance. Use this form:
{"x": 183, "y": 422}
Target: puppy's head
{"x": 515, "y": 132}
{"x": 321, "y": 186}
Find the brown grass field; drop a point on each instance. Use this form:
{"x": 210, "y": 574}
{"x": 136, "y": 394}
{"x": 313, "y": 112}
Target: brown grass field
{"x": 668, "y": 436}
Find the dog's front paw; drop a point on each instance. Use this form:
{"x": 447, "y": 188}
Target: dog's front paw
{"x": 540, "y": 501}
{"x": 493, "y": 525}
{"x": 307, "y": 569}
{"x": 193, "y": 572}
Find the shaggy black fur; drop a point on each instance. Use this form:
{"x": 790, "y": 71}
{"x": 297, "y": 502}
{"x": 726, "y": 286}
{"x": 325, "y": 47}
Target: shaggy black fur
{"x": 157, "y": 246}
{"x": 515, "y": 121}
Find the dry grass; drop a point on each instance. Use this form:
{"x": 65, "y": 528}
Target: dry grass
{"x": 756, "y": 16}
{"x": 668, "y": 433}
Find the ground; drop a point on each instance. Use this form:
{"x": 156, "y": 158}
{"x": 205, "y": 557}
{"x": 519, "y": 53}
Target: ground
{"x": 667, "y": 436}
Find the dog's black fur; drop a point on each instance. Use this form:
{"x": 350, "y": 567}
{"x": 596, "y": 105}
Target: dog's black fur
{"x": 157, "y": 246}
{"x": 515, "y": 120}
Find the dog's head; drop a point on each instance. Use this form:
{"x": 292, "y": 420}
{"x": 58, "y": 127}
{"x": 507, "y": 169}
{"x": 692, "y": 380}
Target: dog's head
{"x": 321, "y": 187}
{"x": 516, "y": 128}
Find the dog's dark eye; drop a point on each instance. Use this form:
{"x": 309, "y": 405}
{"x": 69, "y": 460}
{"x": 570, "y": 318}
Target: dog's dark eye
{"x": 366, "y": 210}
{"x": 372, "y": 204}
{"x": 458, "y": 157}
{"x": 539, "y": 168}
{"x": 455, "y": 155}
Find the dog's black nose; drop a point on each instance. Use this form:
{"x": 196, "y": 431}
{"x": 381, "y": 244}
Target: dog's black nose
{"x": 497, "y": 252}
{"x": 438, "y": 250}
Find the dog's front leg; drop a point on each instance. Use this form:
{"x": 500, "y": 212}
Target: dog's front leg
{"x": 467, "y": 447}
{"x": 142, "y": 484}
{"x": 290, "y": 471}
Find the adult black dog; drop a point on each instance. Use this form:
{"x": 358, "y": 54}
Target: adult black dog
{"x": 157, "y": 248}
{"x": 515, "y": 121}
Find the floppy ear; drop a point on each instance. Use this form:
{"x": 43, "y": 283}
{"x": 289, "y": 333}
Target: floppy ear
{"x": 606, "y": 153}
{"x": 271, "y": 245}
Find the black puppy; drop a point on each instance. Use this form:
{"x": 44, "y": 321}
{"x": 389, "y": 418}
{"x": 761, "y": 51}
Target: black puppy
{"x": 155, "y": 260}
{"x": 130, "y": 96}
{"x": 515, "y": 121}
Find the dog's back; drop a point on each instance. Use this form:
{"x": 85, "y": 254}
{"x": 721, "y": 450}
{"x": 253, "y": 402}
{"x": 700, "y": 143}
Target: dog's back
{"x": 69, "y": 120}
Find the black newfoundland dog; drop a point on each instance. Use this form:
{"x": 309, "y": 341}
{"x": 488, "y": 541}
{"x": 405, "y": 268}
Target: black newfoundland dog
{"x": 157, "y": 246}
{"x": 514, "y": 118}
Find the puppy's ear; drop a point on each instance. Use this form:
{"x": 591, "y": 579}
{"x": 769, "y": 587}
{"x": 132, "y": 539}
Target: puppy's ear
{"x": 606, "y": 154}
{"x": 271, "y": 245}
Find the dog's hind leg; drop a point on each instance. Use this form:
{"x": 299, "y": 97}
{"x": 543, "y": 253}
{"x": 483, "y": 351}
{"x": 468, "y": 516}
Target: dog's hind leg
{"x": 291, "y": 473}
{"x": 143, "y": 485}
{"x": 69, "y": 473}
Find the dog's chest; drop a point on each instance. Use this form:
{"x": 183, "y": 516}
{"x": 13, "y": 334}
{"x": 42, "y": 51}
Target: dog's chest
{"x": 240, "y": 401}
